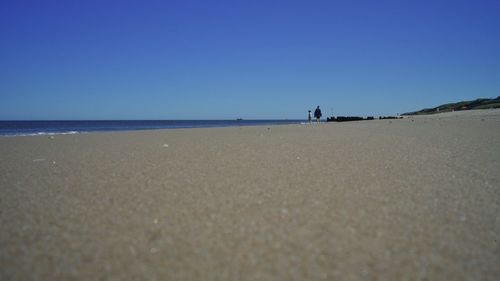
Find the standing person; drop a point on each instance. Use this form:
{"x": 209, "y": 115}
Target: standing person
{"x": 317, "y": 114}
{"x": 310, "y": 117}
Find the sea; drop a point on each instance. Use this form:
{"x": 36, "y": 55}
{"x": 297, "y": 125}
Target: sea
{"x": 54, "y": 127}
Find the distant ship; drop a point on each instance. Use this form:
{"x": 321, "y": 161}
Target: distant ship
{"x": 239, "y": 119}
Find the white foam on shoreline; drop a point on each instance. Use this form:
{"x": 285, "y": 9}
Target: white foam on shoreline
{"x": 41, "y": 134}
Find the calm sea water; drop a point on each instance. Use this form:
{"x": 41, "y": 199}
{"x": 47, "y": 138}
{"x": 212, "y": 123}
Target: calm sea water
{"x": 31, "y": 128}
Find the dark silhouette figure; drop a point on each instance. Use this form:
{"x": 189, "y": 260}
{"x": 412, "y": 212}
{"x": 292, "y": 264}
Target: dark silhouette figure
{"x": 317, "y": 114}
{"x": 309, "y": 116}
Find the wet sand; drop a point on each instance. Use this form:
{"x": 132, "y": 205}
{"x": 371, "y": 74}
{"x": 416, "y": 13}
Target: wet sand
{"x": 410, "y": 199}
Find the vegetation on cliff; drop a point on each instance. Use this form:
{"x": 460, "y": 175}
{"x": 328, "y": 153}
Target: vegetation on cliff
{"x": 463, "y": 105}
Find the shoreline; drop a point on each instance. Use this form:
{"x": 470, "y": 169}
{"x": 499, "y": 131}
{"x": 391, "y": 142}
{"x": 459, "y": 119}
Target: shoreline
{"x": 122, "y": 127}
{"x": 469, "y": 113}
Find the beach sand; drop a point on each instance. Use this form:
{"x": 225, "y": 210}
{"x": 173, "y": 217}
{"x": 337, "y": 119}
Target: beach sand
{"x": 410, "y": 199}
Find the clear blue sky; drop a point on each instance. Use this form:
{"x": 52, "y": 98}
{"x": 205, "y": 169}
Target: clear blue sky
{"x": 251, "y": 59}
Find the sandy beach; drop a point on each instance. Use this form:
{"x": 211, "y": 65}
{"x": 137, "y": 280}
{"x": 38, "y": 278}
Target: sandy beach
{"x": 410, "y": 199}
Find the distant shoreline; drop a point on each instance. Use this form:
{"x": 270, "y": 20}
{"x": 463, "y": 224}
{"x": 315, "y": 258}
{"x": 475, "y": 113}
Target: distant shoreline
{"x": 64, "y": 127}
